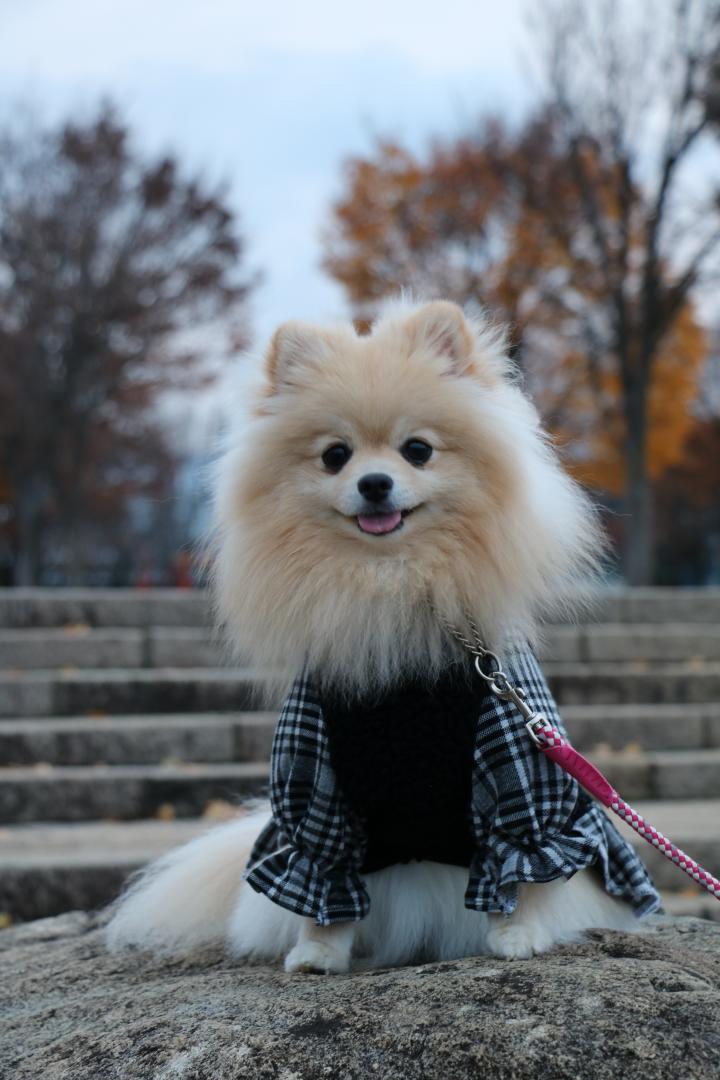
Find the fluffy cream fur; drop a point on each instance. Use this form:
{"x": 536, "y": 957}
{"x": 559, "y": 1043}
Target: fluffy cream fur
{"x": 192, "y": 899}
{"x": 496, "y": 529}
{"x": 501, "y": 532}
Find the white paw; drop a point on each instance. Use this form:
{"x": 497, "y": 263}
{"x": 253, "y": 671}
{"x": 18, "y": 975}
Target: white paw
{"x": 318, "y": 957}
{"x": 513, "y": 942}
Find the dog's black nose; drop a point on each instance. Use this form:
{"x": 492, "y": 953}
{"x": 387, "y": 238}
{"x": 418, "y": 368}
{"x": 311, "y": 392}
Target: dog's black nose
{"x": 375, "y": 486}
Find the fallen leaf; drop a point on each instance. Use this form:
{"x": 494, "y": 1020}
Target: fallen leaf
{"x": 219, "y": 810}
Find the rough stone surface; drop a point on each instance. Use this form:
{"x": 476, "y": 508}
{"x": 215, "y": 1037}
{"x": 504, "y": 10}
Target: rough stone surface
{"x": 644, "y": 1007}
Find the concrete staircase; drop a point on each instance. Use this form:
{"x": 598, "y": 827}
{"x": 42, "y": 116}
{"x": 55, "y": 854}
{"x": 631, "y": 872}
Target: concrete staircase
{"x": 122, "y": 733}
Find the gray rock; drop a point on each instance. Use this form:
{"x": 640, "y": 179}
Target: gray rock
{"x": 644, "y": 1007}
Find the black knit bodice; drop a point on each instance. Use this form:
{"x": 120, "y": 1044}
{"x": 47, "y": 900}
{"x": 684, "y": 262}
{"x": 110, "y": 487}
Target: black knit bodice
{"x": 404, "y": 766}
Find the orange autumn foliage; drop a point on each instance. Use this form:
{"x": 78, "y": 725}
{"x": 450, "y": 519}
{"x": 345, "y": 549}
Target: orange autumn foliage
{"x": 673, "y": 388}
{"x": 498, "y": 221}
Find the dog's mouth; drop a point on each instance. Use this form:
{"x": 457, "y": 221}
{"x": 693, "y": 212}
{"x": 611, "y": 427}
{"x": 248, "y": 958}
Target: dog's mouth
{"x": 382, "y": 524}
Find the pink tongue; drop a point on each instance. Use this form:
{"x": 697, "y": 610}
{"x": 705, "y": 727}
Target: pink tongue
{"x": 379, "y": 523}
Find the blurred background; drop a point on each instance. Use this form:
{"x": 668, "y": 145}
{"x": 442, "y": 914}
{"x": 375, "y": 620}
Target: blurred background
{"x": 177, "y": 178}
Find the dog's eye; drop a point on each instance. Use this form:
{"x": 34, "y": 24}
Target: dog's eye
{"x": 416, "y": 451}
{"x": 336, "y": 456}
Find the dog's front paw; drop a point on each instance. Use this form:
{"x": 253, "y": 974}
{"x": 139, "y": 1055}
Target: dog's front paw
{"x": 316, "y": 956}
{"x": 513, "y": 941}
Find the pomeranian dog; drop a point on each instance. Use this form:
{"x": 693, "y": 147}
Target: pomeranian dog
{"x": 383, "y": 492}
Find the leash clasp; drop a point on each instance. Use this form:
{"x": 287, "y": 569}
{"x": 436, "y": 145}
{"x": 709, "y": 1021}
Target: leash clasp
{"x": 534, "y": 721}
{"x": 534, "y": 725}
{"x": 502, "y": 688}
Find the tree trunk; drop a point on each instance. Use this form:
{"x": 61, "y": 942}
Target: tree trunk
{"x": 638, "y": 534}
{"x": 28, "y": 508}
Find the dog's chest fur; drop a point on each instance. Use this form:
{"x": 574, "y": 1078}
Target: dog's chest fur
{"x": 404, "y": 766}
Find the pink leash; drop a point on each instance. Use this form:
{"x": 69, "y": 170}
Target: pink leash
{"x": 555, "y": 746}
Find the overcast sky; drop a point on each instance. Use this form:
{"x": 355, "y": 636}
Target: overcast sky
{"x": 271, "y": 97}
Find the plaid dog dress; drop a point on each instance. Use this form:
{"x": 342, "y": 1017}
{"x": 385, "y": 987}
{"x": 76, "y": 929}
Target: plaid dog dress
{"x": 525, "y": 821}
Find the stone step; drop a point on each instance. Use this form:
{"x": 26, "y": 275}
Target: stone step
{"x": 46, "y": 792}
{"x": 693, "y": 825}
{"x": 691, "y": 904}
{"x": 35, "y": 607}
{"x": 646, "y": 727}
{"x": 662, "y": 774}
{"x": 654, "y": 642}
{"x": 104, "y": 607}
{"x": 142, "y": 690}
{"x": 636, "y": 682}
{"x": 243, "y": 736}
{"x": 133, "y": 690}
{"x": 657, "y": 605}
{"x": 84, "y": 646}
{"x": 132, "y": 740}
{"x": 46, "y": 869}
{"x": 84, "y": 792}
{"x": 49, "y": 868}
{"x": 71, "y": 646}
{"x": 39, "y": 607}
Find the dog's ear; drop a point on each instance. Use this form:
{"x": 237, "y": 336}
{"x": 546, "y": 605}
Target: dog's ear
{"x": 296, "y": 349}
{"x": 440, "y": 329}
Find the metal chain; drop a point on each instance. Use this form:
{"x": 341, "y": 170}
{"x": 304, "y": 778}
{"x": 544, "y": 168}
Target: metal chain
{"x": 477, "y": 648}
{"x": 496, "y": 679}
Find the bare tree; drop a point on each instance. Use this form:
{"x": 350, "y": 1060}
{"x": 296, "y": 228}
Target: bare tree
{"x": 636, "y": 88}
{"x": 109, "y": 266}
{"x": 497, "y": 218}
